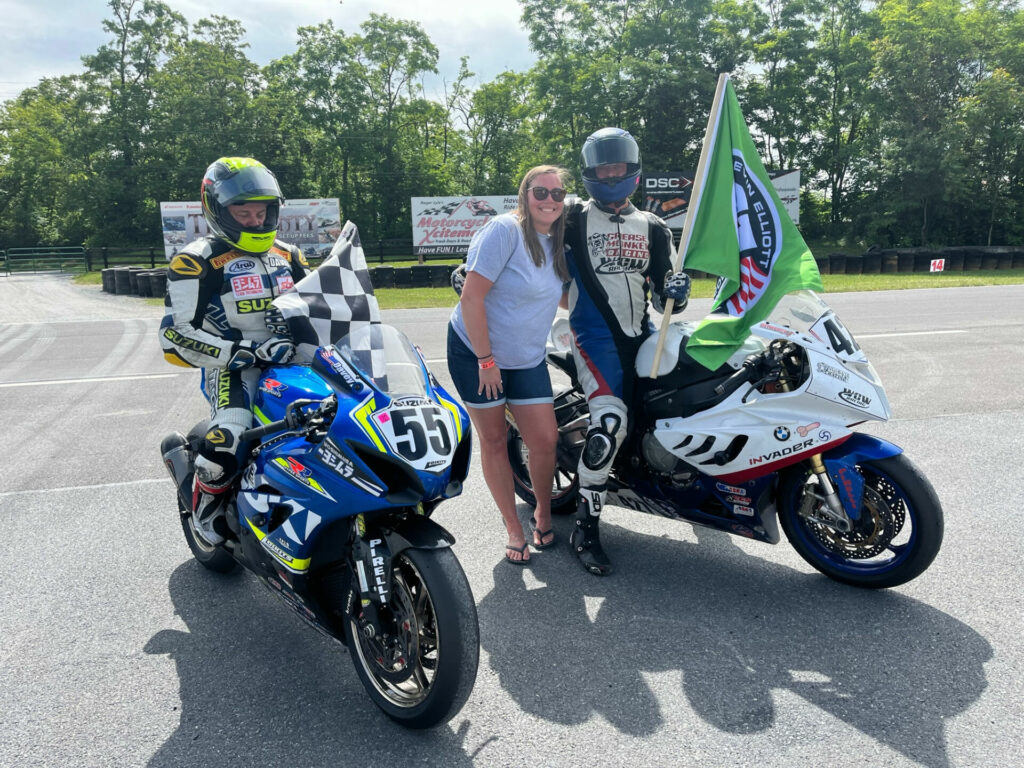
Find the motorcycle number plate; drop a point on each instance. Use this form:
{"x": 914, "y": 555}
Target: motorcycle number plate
{"x": 421, "y": 432}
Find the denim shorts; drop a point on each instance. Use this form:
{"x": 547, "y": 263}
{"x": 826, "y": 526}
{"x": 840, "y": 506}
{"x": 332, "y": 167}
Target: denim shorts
{"x": 526, "y": 386}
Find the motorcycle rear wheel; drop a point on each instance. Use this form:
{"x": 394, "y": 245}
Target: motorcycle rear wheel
{"x": 209, "y": 556}
{"x": 565, "y": 487}
{"x": 421, "y": 672}
{"x": 899, "y": 533}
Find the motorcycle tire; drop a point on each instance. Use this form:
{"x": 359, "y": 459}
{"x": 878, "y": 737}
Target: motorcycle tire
{"x": 899, "y": 533}
{"x": 436, "y": 635}
{"x": 565, "y": 489}
{"x": 209, "y": 556}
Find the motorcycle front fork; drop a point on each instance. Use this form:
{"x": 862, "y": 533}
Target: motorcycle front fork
{"x": 830, "y": 510}
{"x": 822, "y": 504}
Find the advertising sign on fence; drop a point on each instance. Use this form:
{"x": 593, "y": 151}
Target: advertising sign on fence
{"x": 667, "y": 194}
{"x": 313, "y": 225}
{"x": 447, "y": 224}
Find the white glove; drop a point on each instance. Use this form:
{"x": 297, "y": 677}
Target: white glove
{"x": 270, "y": 352}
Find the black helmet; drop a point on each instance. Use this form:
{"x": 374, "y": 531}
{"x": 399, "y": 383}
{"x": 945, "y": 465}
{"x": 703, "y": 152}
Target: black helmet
{"x": 239, "y": 180}
{"x": 605, "y": 147}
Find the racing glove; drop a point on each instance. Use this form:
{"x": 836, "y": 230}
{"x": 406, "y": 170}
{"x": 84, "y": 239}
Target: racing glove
{"x": 273, "y": 351}
{"x": 677, "y": 288}
{"x": 275, "y": 322}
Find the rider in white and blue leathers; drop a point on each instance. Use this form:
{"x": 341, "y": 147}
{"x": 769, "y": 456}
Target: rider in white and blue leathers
{"x": 615, "y": 254}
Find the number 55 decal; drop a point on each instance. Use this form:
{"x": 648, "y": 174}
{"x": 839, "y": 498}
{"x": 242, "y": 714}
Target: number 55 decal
{"x": 420, "y": 434}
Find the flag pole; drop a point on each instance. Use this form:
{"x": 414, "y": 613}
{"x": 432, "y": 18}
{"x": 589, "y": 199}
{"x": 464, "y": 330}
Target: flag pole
{"x": 698, "y": 189}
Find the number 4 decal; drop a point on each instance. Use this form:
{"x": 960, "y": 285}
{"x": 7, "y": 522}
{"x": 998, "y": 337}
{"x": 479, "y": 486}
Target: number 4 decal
{"x": 839, "y": 337}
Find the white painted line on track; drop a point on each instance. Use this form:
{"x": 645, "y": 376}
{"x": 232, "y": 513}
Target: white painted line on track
{"x": 5, "y": 494}
{"x": 907, "y": 333}
{"x": 96, "y": 380}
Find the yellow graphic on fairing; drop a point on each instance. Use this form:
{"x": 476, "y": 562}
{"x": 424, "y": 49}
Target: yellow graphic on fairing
{"x": 361, "y": 415}
{"x": 454, "y": 411}
{"x": 297, "y": 565}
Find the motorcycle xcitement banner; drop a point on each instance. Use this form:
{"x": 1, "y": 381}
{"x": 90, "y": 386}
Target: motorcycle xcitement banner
{"x": 742, "y": 233}
{"x": 447, "y": 224}
{"x": 334, "y": 300}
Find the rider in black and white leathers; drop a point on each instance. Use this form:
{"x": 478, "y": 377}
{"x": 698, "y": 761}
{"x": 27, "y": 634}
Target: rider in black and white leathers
{"x": 616, "y": 254}
{"x": 219, "y": 317}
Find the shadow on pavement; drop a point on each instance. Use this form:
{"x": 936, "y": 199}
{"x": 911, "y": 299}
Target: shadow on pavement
{"x": 258, "y": 687}
{"x": 737, "y": 628}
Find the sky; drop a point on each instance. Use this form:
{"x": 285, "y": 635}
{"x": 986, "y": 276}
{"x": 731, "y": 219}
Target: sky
{"x": 47, "y": 38}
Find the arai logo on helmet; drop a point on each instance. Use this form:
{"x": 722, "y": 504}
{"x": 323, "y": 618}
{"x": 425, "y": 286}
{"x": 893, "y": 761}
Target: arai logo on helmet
{"x": 759, "y": 232}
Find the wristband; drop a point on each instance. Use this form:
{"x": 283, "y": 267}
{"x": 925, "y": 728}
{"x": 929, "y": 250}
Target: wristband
{"x": 489, "y": 364}
{"x": 484, "y": 357}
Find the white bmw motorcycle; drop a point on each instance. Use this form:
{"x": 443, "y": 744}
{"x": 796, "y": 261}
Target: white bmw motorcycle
{"x": 765, "y": 439}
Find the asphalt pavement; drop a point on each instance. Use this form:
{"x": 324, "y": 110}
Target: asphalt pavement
{"x": 117, "y": 649}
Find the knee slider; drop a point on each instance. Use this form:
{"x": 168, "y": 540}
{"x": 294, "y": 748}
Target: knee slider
{"x": 603, "y": 441}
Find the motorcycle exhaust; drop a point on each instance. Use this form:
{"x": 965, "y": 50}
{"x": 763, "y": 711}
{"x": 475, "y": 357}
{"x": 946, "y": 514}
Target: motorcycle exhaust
{"x": 178, "y": 459}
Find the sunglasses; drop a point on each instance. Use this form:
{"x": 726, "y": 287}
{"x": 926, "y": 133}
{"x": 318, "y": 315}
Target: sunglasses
{"x": 541, "y": 193}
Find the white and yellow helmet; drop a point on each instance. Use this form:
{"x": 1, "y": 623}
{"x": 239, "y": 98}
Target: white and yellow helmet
{"x": 238, "y": 180}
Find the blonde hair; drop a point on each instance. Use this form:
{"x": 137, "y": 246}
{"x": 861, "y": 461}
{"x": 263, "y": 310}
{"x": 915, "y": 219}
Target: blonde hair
{"x": 530, "y": 238}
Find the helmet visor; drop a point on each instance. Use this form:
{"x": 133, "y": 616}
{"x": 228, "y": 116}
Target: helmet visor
{"x": 608, "y": 150}
{"x": 248, "y": 185}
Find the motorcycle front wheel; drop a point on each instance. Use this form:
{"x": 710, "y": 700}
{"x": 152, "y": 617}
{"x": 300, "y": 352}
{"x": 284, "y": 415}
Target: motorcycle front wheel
{"x": 420, "y": 670}
{"x": 895, "y": 538}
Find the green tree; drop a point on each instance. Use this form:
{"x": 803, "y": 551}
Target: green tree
{"x": 120, "y": 79}
{"x": 394, "y": 53}
{"x": 201, "y": 109}
{"x": 38, "y": 166}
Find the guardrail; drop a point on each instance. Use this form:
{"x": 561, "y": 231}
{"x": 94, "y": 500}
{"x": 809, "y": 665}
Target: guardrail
{"x": 46, "y": 258}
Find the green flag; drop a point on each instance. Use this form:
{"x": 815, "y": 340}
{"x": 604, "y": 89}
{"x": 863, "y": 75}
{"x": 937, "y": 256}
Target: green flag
{"x": 741, "y": 232}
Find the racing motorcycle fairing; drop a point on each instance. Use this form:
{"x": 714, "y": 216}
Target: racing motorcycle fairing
{"x": 397, "y": 440}
{"x": 744, "y": 509}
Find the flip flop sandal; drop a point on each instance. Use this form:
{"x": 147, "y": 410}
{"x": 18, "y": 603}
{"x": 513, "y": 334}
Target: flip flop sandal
{"x": 521, "y": 550}
{"x": 542, "y": 534}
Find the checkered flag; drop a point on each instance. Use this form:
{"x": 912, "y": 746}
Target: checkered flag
{"x": 334, "y": 300}
{"x": 447, "y": 209}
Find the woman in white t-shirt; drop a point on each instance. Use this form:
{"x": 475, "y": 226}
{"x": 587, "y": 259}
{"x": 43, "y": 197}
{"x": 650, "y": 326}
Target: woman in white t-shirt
{"x": 515, "y": 278}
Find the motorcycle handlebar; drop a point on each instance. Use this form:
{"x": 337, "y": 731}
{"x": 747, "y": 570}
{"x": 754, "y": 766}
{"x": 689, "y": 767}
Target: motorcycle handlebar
{"x": 294, "y": 417}
{"x": 744, "y": 374}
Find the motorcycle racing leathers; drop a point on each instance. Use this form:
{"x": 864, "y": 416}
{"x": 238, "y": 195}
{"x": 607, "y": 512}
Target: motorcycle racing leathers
{"x": 216, "y": 314}
{"x": 613, "y": 259}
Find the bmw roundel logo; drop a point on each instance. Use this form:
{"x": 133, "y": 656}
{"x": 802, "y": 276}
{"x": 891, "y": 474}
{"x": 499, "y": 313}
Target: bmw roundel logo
{"x": 781, "y": 433}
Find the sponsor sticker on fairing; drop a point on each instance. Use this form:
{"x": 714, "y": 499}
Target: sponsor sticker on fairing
{"x": 738, "y": 490}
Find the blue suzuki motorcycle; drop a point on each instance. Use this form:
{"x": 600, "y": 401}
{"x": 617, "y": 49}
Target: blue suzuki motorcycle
{"x": 332, "y": 514}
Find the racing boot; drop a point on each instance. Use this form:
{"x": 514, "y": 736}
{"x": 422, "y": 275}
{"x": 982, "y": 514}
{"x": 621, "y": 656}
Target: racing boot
{"x": 209, "y": 495}
{"x": 585, "y": 539}
{"x": 208, "y": 512}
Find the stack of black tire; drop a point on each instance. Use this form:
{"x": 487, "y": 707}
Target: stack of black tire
{"x": 135, "y": 281}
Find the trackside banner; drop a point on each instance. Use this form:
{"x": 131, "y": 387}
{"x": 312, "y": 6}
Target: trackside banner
{"x": 667, "y": 194}
{"x": 313, "y": 225}
{"x": 447, "y": 224}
